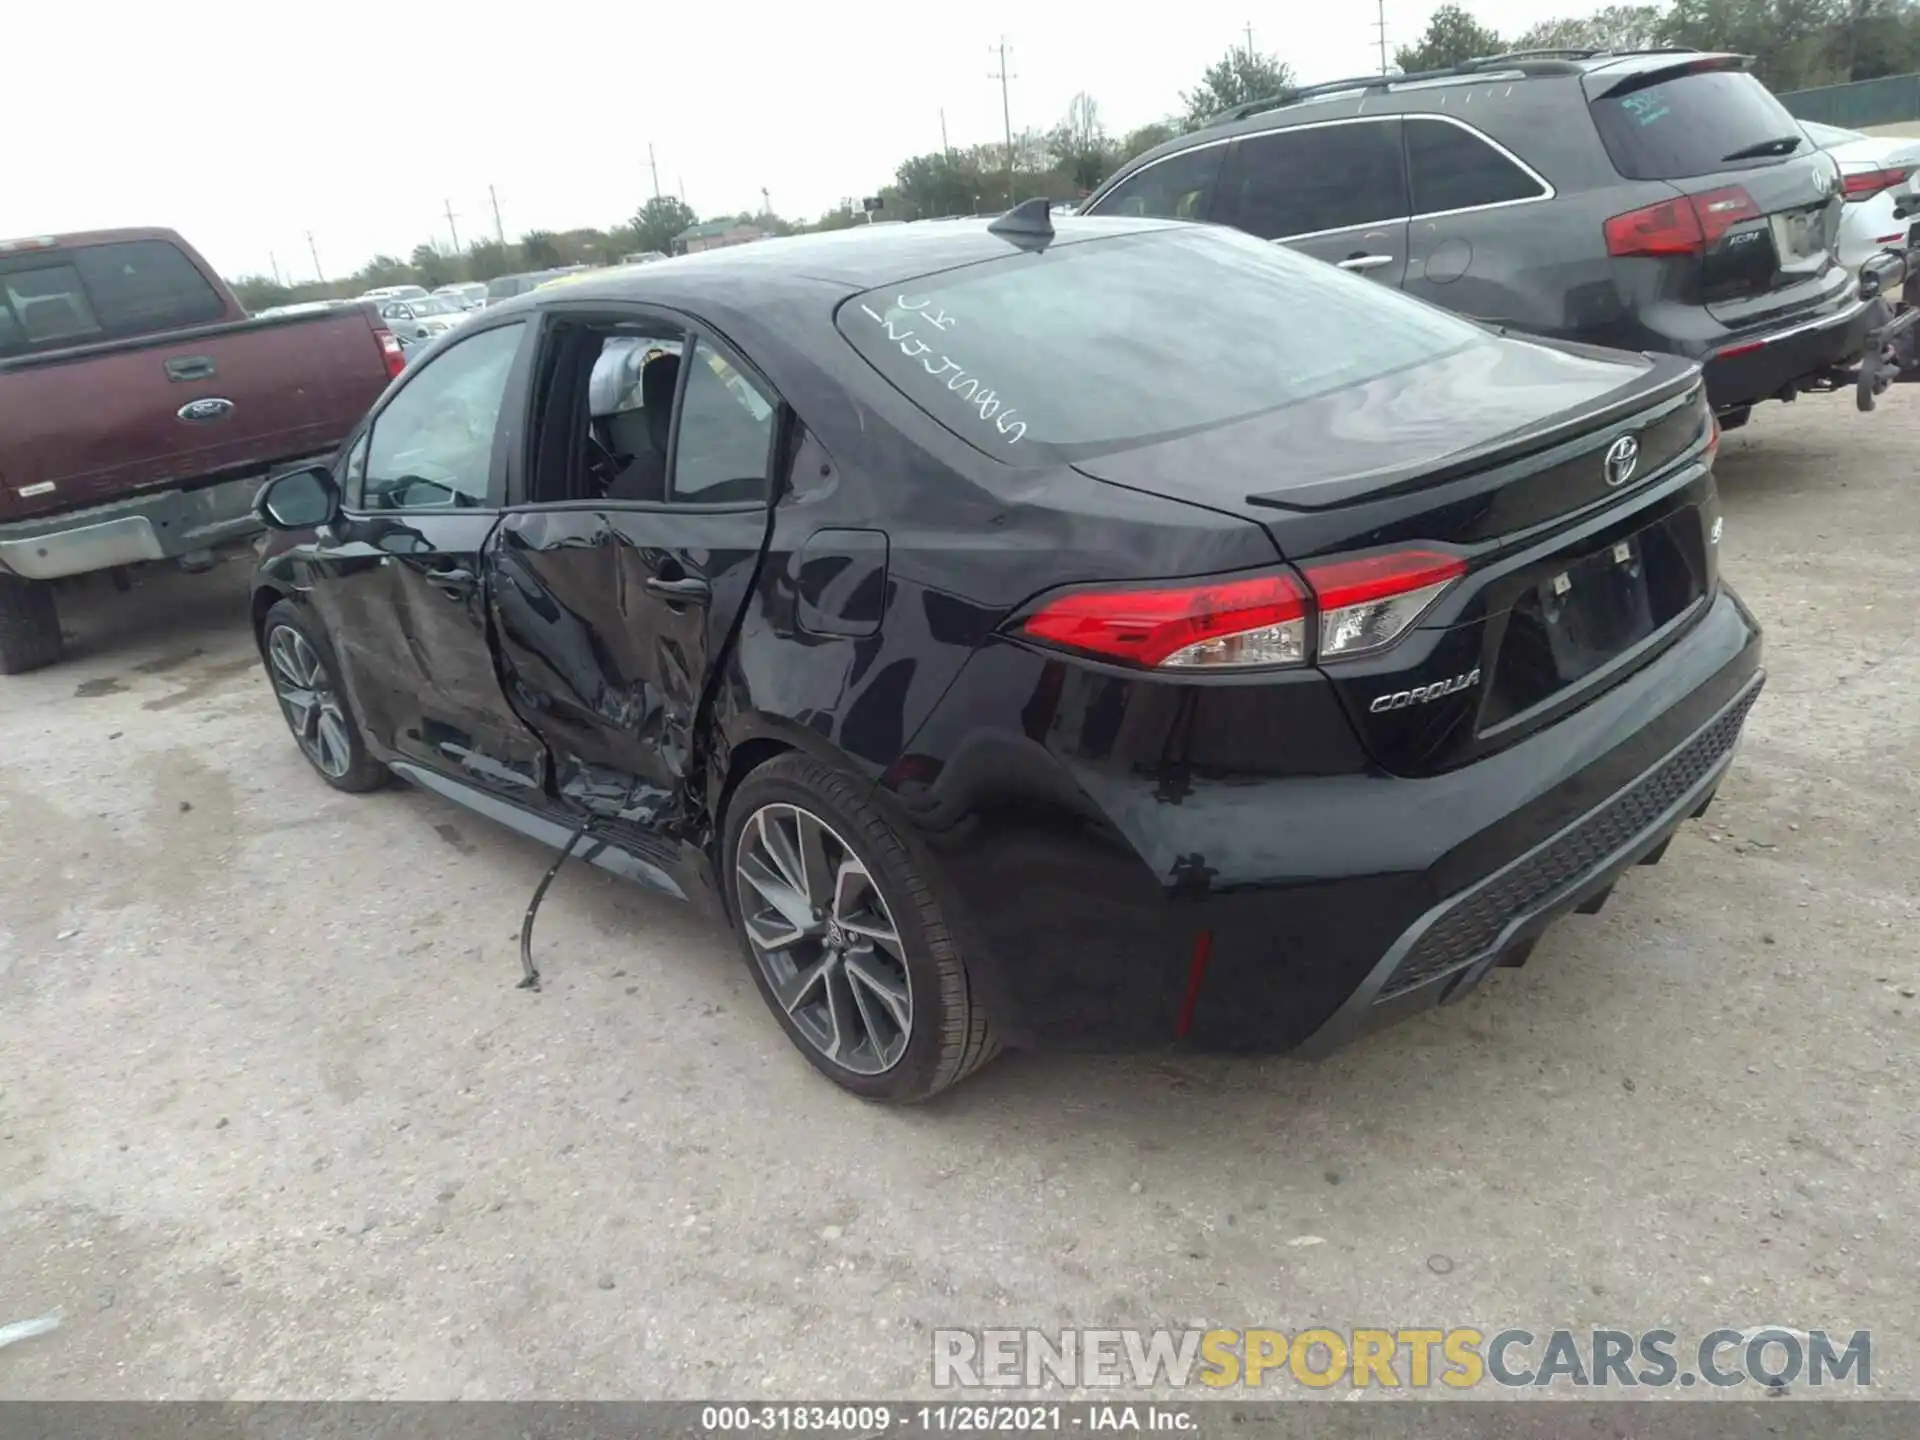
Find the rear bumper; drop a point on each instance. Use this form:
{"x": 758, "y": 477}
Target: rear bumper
{"x": 162, "y": 525}
{"x": 1777, "y": 364}
{"x": 1150, "y": 902}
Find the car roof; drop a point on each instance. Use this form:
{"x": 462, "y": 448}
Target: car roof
{"x": 863, "y": 257}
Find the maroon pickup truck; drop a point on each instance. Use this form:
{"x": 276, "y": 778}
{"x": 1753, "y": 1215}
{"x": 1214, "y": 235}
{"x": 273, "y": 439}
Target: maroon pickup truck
{"x": 140, "y": 410}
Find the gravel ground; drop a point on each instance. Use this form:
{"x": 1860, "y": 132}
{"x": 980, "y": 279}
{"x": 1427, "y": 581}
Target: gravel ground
{"x": 275, "y": 1122}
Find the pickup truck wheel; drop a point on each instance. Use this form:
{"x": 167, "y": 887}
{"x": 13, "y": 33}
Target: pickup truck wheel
{"x": 306, "y": 682}
{"x": 29, "y": 625}
{"x": 845, "y": 938}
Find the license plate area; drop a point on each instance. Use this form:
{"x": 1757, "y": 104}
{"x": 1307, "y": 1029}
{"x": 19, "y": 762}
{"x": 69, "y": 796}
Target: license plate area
{"x": 1583, "y": 613}
{"x": 1798, "y": 236}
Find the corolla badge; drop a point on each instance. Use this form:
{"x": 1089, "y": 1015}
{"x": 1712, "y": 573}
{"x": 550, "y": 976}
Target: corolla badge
{"x": 1623, "y": 458}
{"x": 1424, "y": 694}
{"x": 199, "y": 412}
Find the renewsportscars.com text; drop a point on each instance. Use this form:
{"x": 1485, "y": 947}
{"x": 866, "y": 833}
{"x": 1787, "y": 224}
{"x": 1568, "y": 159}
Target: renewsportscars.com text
{"x": 1460, "y": 1358}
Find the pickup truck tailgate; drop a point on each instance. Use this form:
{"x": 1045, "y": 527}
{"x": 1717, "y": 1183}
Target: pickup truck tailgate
{"x": 91, "y": 425}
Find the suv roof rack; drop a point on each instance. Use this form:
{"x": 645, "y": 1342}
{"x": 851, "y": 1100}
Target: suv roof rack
{"x": 1528, "y": 62}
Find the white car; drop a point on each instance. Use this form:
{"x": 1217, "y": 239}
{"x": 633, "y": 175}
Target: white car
{"x": 1876, "y": 173}
{"x": 421, "y": 318}
{"x": 394, "y": 292}
{"x": 468, "y": 294}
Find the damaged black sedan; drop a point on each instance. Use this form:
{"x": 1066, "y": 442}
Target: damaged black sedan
{"x": 1095, "y": 632}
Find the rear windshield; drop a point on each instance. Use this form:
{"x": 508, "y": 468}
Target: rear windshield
{"x": 1106, "y": 345}
{"x": 55, "y": 298}
{"x": 1692, "y": 124}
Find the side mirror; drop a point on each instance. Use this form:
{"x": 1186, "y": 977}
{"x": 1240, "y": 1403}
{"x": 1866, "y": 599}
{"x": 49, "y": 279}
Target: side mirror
{"x": 298, "y": 500}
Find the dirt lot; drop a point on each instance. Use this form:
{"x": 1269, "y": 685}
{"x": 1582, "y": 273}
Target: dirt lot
{"x": 274, "y": 1120}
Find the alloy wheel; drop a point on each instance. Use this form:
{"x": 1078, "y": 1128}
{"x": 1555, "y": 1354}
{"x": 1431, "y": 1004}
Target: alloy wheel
{"x": 305, "y": 692}
{"x": 824, "y": 939}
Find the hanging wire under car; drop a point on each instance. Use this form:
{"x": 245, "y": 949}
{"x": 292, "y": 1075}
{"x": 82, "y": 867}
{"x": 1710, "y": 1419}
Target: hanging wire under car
{"x": 530, "y": 977}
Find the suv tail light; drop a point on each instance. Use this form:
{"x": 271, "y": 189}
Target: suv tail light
{"x": 390, "y": 350}
{"x": 1865, "y": 184}
{"x": 1362, "y": 605}
{"x": 1684, "y": 225}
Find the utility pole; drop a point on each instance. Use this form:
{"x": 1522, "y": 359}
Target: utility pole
{"x": 273, "y": 263}
{"x": 1006, "y": 109}
{"x": 683, "y": 191}
{"x": 1249, "y": 42}
{"x": 945, "y": 148}
{"x": 452, "y": 229}
{"x": 1381, "y": 26}
{"x": 766, "y": 202}
{"x": 653, "y": 166}
{"x": 312, "y": 250}
{"x": 499, "y": 230}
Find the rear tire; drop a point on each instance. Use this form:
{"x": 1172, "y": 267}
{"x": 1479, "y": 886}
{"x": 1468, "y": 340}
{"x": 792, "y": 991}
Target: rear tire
{"x": 29, "y": 625}
{"x": 306, "y": 683}
{"x": 842, "y": 961}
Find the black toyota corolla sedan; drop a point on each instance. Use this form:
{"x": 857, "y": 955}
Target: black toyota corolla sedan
{"x": 1090, "y": 631}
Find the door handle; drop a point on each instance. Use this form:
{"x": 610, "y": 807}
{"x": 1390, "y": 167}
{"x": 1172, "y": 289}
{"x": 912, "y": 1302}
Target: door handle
{"x": 687, "y": 590}
{"x": 1365, "y": 262}
{"x": 455, "y": 578}
{"x": 190, "y": 367}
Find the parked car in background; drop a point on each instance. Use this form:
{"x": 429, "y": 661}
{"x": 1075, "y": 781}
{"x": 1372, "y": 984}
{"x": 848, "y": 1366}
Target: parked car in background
{"x": 467, "y": 294}
{"x": 140, "y": 409}
{"x": 301, "y": 307}
{"x": 505, "y": 287}
{"x": 422, "y": 318}
{"x": 1008, "y": 668}
{"x": 642, "y": 257}
{"x": 393, "y": 292}
{"x": 1876, "y": 177}
{"x": 1663, "y": 201}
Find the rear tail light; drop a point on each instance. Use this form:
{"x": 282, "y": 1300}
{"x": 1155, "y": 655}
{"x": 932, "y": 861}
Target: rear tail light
{"x": 1367, "y": 604}
{"x": 1262, "y": 621}
{"x": 390, "y": 350}
{"x": 1227, "y": 624}
{"x": 1684, "y": 225}
{"x": 1865, "y": 184}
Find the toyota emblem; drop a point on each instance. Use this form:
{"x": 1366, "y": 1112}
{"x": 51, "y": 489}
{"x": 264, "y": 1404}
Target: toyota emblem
{"x": 1623, "y": 457}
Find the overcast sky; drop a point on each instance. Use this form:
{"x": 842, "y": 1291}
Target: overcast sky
{"x": 245, "y": 125}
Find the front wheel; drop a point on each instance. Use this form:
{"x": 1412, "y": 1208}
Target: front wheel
{"x": 845, "y": 937}
{"x": 300, "y": 665}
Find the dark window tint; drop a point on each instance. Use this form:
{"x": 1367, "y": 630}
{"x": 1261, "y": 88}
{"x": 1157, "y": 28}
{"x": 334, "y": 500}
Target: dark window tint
{"x": 1105, "y": 345}
{"x": 433, "y": 444}
{"x": 1454, "y": 169}
{"x": 1692, "y": 124}
{"x": 145, "y": 286}
{"x": 725, "y": 435}
{"x": 1175, "y": 188}
{"x": 1319, "y": 177}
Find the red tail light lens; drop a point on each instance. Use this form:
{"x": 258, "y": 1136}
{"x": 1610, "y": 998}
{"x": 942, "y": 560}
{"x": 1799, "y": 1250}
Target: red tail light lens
{"x": 1684, "y": 225}
{"x": 1865, "y": 184}
{"x": 1226, "y": 624}
{"x": 1364, "y": 605}
{"x": 1367, "y": 604}
{"x": 391, "y": 351}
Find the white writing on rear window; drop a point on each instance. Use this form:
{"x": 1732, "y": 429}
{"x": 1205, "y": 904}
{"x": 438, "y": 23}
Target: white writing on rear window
{"x": 922, "y": 338}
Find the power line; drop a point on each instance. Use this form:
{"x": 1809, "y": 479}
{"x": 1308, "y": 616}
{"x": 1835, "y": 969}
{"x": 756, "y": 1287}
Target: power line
{"x": 1006, "y": 108}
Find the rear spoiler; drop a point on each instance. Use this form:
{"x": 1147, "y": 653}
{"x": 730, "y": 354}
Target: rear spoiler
{"x": 1597, "y": 87}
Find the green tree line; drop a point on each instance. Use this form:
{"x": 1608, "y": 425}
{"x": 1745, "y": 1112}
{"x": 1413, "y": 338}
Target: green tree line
{"x": 1796, "y": 44}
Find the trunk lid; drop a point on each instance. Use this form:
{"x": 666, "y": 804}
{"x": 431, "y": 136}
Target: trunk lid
{"x": 1498, "y": 454}
{"x": 1765, "y": 200}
